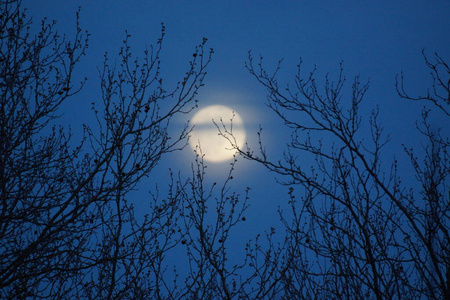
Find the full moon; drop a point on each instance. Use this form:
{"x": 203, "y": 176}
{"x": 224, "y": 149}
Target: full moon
{"x": 205, "y": 134}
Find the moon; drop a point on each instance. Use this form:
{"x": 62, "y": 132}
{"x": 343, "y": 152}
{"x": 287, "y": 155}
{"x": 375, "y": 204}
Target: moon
{"x": 205, "y": 134}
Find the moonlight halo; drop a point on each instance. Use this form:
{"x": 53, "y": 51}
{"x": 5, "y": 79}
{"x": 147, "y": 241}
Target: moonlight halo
{"x": 215, "y": 147}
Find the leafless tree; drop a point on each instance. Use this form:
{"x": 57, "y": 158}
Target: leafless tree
{"x": 67, "y": 227}
{"x": 354, "y": 229}
{"x": 213, "y": 214}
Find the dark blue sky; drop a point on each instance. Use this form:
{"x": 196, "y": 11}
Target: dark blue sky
{"x": 375, "y": 39}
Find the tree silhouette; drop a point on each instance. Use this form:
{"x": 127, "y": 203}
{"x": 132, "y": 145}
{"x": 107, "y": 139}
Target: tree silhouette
{"x": 68, "y": 228}
{"x": 356, "y": 230}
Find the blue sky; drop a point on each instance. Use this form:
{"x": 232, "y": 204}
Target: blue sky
{"x": 375, "y": 39}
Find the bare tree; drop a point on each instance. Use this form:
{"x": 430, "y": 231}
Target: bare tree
{"x": 67, "y": 228}
{"x": 213, "y": 214}
{"x": 354, "y": 230}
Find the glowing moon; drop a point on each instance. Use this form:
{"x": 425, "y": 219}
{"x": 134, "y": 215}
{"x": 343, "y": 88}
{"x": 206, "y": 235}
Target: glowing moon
{"x": 215, "y": 147}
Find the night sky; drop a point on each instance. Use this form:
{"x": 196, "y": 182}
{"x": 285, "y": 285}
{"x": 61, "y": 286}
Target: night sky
{"x": 373, "y": 39}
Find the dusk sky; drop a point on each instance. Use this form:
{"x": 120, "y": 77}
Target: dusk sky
{"x": 374, "y": 39}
